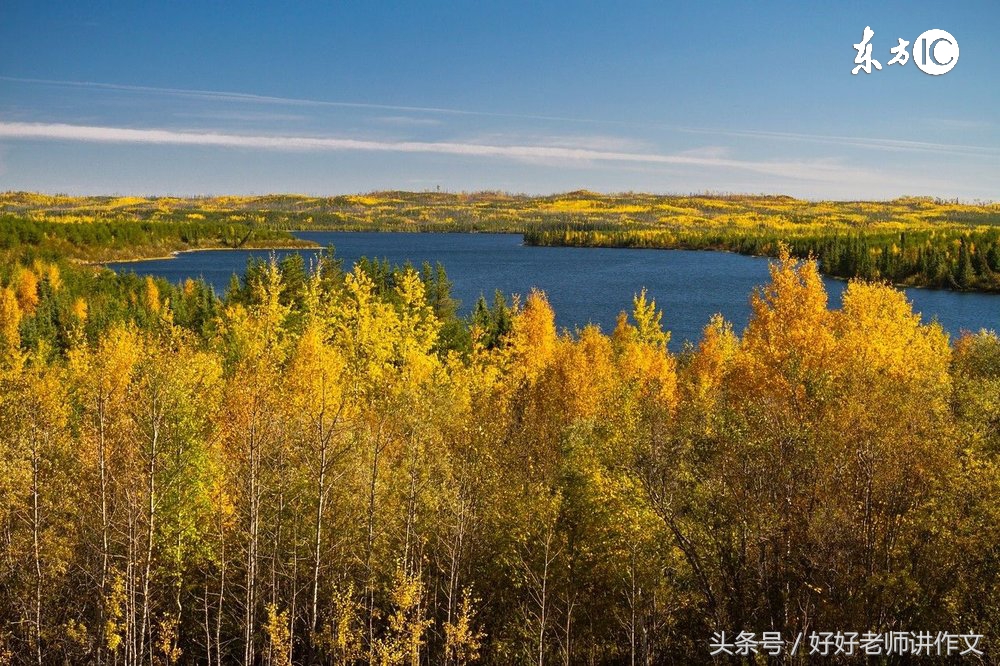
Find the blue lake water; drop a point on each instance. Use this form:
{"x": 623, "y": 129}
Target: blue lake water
{"x": 584, "y": 285}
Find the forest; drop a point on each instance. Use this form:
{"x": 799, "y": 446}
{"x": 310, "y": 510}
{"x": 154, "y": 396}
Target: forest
{"x": 106, "y": 240}
{"x": 911, "y": 241}
{"x": 959, "y": 258}
{"x": 327, "y": 465}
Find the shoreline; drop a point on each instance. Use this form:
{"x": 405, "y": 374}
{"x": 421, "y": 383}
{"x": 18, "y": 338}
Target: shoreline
{"x": 312, "y": 245}
{"x": 173, "y": 254}
{"x": 897, "y": 285}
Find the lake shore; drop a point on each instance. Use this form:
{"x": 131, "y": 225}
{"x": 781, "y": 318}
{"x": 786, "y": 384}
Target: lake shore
{"x": 584, "y": 284}
{"x": 303, "y": 245}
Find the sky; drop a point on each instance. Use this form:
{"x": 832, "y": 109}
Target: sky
{"x": 328, "y": 98}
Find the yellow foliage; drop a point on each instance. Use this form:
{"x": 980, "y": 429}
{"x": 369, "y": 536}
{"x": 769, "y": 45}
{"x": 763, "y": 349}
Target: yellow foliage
{"x": 651, "y": 369}
{"x": 533, "y": 339}
{"x": 79, "y": 309}
{"x": 10, "y": 319}
{"x": 706, "y": 371}
{"x": 53, "y": 276}
{"x": 367, "y": 328}
{"x": 418, "y": 327}
{"x": 364, "y": 201}
{"x": 648, "y": 321}
{"x": 883, "y": 337}
{"x": 582, "y": 372}
{"x": 277, "y": 629}
{"x": 343, "y": 634}
{"x": 151, "y": 295}
{"x": 27, "y": 289}
{"x": 167, "y": 638}
{"x": 404, "y": 637}
{"x": 461, "y": 640}
{"x": 790, "y": 330}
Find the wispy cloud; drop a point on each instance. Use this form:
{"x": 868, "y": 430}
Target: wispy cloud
{"x": 601, "y": 142}
{"x": 819, "y": 170}
{"x": 955, "y": 123}
{"x": 241, "y": 116}
{"x": 871, "y": 143}
{"x": 224, "y": 96}
{"x": 718, "y": 152}
{"x": 406, "y": 121}
{"x": 596, "y": 142}
{"x": 859, "y": 142}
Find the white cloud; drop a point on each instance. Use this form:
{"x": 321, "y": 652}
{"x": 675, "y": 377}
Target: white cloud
{"x": 240, "y": 116}
{"x": 708, "y": 151}
{"x": 400, "y": 119}
{"x": 822, "y": 170}
{"x": 248, "y": 98}
{"x": 595, "y": 142}
{"x": 955, "y": 123}
{"x": 859, "y": 142}
{"x": 406, "y": 121}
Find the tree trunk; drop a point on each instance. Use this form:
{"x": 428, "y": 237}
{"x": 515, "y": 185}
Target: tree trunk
{"x": 35, "y": 530}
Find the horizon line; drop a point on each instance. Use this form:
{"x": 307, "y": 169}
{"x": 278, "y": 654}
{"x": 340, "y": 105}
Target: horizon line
{"x": 708, "y": 194}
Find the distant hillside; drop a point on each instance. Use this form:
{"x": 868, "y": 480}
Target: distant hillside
{"x": 912, "y": 240}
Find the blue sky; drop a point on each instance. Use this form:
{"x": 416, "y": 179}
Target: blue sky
{"x": 328, "y": 98}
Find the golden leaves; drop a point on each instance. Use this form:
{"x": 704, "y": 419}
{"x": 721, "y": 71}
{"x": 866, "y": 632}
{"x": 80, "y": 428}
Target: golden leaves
{"x": 533, "y": 339}
{"x": 26, "y": 286}
{"x": 10, "y": 321}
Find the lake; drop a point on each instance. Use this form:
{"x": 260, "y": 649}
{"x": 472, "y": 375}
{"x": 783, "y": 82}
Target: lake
{"x": 584, "y": 285}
